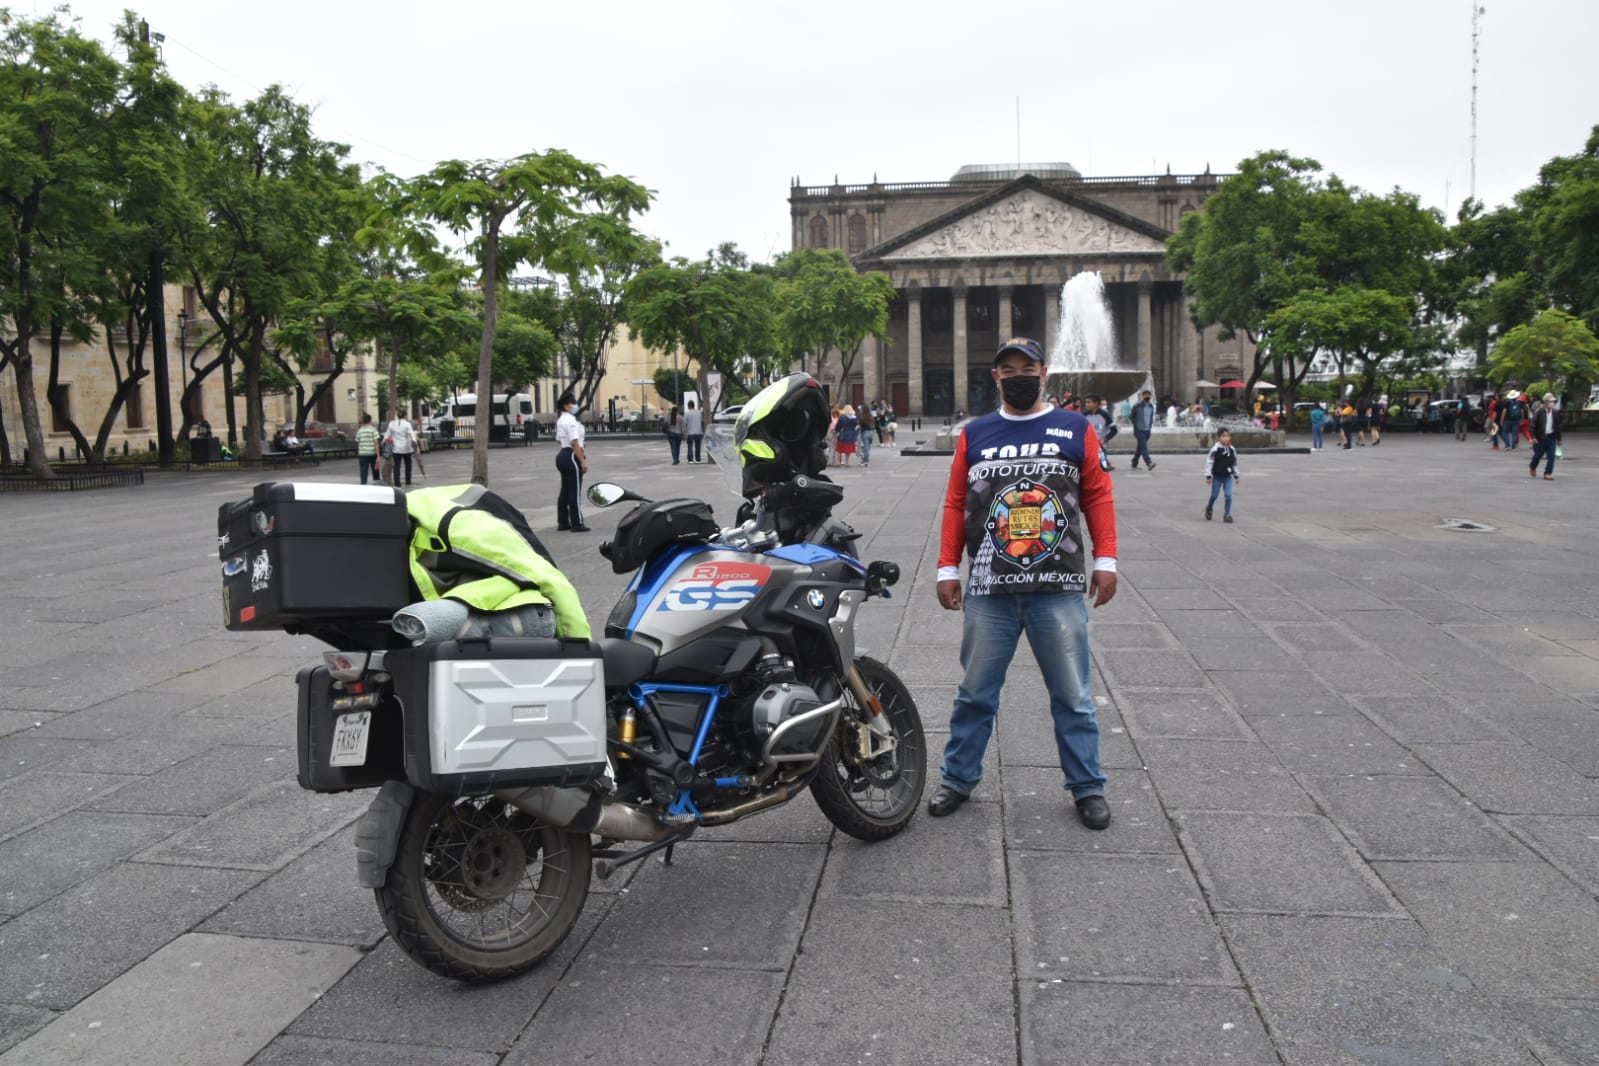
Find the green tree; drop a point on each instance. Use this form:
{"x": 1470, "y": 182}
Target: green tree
{"x": 56, "y": 90}
{"x": 824, "y": 305}
{"x": 1565, "y": 224}
{"x": 1555, "y": 347}
{"x": 527, "y": 210}
{"x": 717, "y": 312}
{"x": 271, "y": 194}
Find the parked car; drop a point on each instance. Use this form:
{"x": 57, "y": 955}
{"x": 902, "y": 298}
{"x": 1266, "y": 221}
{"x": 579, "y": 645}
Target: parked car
{"x": 315, "y": 430}
{"x": 728, "y": 414}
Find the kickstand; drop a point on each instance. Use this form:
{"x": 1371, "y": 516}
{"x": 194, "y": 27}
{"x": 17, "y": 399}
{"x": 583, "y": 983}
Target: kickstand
{"x": 666, "y": 860}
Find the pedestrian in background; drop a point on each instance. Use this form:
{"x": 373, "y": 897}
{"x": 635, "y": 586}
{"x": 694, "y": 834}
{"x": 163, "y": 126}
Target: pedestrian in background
{"x": 694, "y": 431}
{"x": 571, "y": 462}
{"x": 868, "y": 424}
{"x": 846, "y": 432}
{"x": 1143, "y": 419}
{"x": 402, "y": 442}
{"x": 1545, "y": 437}
{"x": 1513, "y": 411}
{"x": 1221, "y": 471}
{"x": 674, "y": 432}
{"x": 1318, "y": 419}
{"x": 366, "y": 448}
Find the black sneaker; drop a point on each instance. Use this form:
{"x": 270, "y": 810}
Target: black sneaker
{"x": 944, "y": 801}
{"x": 1093, "y": 812}
{"x": 1207, "y": 514}
{"x": 1151, "y": 466}
{"x": 1227, "y": 518}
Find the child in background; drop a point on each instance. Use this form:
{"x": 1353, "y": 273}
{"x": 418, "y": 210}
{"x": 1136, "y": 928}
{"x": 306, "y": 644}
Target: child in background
{"x": 1221, "y": 470}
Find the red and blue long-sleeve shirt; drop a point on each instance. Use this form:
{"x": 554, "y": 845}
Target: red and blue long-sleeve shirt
{"x": 1020, "y": 490}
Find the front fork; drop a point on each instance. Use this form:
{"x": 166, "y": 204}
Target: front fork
{"x": 872, "y": 736}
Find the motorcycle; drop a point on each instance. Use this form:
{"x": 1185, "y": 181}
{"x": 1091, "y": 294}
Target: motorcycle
{"x": 727, "y": 683}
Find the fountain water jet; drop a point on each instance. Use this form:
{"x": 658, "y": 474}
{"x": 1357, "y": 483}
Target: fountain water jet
{"x": 1084, "y": 360}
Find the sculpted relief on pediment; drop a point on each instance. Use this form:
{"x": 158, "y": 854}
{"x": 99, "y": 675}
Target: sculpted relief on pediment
{"x": 1029, "y": 224}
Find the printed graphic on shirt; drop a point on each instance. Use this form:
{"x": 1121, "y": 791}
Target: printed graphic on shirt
{"x": 1025, "y": 522}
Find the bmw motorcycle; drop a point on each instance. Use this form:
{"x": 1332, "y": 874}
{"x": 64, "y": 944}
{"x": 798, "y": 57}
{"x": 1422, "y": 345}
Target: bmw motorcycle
{"x": 727, "y": 683}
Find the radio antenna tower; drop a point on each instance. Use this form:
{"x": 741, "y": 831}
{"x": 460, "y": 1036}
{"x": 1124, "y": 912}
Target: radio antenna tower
{"x": 1477, "y": 11}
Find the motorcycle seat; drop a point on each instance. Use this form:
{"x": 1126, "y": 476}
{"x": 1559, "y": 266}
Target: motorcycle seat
{"x": 625, "y": 662}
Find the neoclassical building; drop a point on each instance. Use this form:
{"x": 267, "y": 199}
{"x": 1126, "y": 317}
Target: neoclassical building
{"x": 983, "y": 255}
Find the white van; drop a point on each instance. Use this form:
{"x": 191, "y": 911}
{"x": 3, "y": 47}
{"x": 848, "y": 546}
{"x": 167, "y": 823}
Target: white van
{"x": 513, "y": 410}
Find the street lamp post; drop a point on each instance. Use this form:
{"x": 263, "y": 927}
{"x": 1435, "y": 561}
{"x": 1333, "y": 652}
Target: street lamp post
{"x": 183, "y": 367}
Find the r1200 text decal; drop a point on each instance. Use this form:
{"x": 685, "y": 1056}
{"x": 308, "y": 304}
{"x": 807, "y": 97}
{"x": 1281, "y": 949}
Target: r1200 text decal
{"x": 714, "y": 587}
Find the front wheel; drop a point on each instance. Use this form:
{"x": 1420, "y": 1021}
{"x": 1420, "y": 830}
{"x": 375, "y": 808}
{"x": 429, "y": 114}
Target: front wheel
{"x": 480, "y": 891}
{"x": 870, "y": 783}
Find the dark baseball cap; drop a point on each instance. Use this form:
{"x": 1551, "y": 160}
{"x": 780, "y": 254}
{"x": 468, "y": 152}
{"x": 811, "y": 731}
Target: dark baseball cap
{"x": 1025, "y": 345}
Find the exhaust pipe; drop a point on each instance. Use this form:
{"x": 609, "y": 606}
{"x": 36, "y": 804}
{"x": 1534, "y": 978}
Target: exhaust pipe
{"x": 586, "y": 812}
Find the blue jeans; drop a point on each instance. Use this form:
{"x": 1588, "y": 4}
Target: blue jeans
{"x": 676, "y": 441}
{"x": 866, "y": 445}
{"x": 694, "y": 455}
{"x": 1221, "y": 484}
{"x": 1544, "y": 449}
{"x": 1056, "y": 624}
{"x": 1315, "y": 435}
{"x": 1510, "y": 433}
{"x": 369, "y": 467}
{"x": 1141, "y": 440}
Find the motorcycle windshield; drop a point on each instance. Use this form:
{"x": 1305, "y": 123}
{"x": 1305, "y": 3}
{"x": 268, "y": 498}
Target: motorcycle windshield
{"x": 721, "y": 449}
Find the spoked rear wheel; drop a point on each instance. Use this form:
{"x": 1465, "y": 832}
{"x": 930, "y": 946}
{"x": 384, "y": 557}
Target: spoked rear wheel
{"x": 480, "y": 891}
{"x": 874, "y": 794}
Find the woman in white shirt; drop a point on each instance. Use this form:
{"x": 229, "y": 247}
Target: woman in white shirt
{"x": 572, "y": 464}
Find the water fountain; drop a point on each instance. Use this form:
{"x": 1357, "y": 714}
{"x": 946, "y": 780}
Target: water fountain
{"x": 1085, "y": 359}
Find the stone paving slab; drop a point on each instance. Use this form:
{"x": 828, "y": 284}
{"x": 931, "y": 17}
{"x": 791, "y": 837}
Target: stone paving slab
{"x": 1390, "y": 817}
{"x": 314, "y": 1051}
{"x": 1355, "y": 991}
{"x": 651, "y": 1014}
{"x": 1080, "y": 1024}
{"x": 262, "y": 831}
{"x": 1280, "y": 864}
{"x": 200, "y": 1001}
{"x": 912, "y": 1006}
{"x": 68, "y": 947}
{"x": 1127, "y": 918}
{"x": 1515, "y": 928}
{"x": 72, "y": 848}
{"x": 31, "y": 798}
{"x": 1039, "y": 814}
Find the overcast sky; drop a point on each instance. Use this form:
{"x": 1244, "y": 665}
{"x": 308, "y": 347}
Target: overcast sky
{"x": 716, "y": 106}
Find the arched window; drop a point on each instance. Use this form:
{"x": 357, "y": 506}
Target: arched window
{"x": 818, "y": 232}
{"x": 857, "y": 234}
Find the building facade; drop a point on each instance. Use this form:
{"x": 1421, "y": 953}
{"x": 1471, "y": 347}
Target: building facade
{"x": 983, "y": 256}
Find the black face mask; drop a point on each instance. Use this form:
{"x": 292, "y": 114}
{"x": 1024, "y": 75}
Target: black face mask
{"x": 1021, "y": 391}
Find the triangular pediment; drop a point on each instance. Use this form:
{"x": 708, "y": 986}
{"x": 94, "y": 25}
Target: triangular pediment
{"x": 1024, "y": 218}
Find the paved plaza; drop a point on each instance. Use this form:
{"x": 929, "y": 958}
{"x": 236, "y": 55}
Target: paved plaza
{"x": 1353, "y": 761}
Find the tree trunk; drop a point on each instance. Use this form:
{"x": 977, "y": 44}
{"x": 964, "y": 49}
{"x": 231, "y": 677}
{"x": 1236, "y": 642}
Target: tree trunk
{"x": 485, "y": 355}
{"x": 28, "y": 403}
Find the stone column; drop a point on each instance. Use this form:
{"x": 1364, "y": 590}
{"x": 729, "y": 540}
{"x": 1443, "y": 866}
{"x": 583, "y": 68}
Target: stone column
{"x": 1146, "y": 345}
{"x": 913, "y": 345}
{"x": 870, "y": 383}
{"x": 958, "y": 294}
{"x": 1004, "y": 313}
{"x": 1051, "y": 318}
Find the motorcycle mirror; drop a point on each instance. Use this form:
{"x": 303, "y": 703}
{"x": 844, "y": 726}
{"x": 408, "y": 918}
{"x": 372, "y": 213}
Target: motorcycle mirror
{"x": 603, "y": 494}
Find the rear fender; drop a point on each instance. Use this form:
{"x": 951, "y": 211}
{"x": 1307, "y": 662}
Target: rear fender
{"x": 377, "y": 834}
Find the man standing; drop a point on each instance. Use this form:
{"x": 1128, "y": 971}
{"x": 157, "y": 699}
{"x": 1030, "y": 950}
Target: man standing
{"x": 572, "y": 463}
{"x": 1024, "y": 480}
{"x": 402, "y": 442}
{"x": 366, "y": 448}
{"x": 1545, "y": 437}
{"x": 1143, "y": 425}
{"x": 694, "y": 430}
{"x": 1513, "y": 411}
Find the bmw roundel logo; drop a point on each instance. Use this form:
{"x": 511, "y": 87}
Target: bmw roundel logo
{"x": 816, "y": 598}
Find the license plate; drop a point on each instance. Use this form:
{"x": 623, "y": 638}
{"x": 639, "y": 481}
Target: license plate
{"x": 349, "y": 739}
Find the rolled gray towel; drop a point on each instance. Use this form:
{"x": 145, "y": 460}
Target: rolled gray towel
{"x": 431, "y": 620}
{"x": 435, "y": 620}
